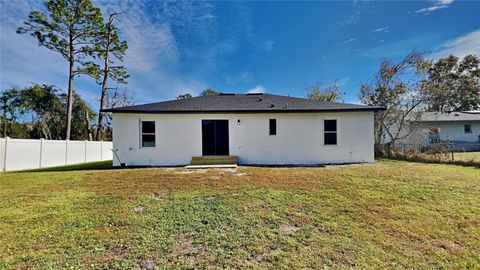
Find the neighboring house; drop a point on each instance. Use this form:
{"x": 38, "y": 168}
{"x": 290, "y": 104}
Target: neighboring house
{"x": 458, "y": 128}
{"x": 256, "y": 128}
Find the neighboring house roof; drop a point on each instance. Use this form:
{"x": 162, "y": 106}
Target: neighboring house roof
{"x": 242, "y": 103}
{"x": 449, "y": 116}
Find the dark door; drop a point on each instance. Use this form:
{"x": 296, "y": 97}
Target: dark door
{"x": 215, "y": 137}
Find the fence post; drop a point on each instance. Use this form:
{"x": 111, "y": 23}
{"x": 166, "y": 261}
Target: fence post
{"x": 41, "y": 150}
{"x": 86, "y": 151}
{"x": 66, "y": 152}
{"x": 5, "y": 154}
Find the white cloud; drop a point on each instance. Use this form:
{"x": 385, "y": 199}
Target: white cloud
{"x": 350, "y": 40}
{"x": 158, "y": 46}
{"x": 158, "y": 36}
{"x": 397, "y": 48}
{"x": 257, "y": 89}
{"x": 151, "y": 42}
{"x": 165, "y": 38}
{"x": 207, "y": 16}
{"x": 461, "y": 46}
{"x": 382, "y": 29}
{"x": 438, "y": 4}
{"x": 173, "y": 47}
{"x": 359, "y": 8}
{"x": 255, "y": 36}
{"x": 20, "y": 54}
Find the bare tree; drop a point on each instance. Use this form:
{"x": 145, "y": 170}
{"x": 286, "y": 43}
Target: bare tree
{"x": 395, "y": 87}
{"x": 329, "y": 93}
{"x": 116, "y": 97}
{"x": 109, "y": 45}
{"x": 119, "y": 97}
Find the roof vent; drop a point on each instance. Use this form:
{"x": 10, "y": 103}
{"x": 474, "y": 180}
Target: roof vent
{"x": 259, "y": 99}
{"x": 271, "y": 105}
{"x": 457, "y": 114}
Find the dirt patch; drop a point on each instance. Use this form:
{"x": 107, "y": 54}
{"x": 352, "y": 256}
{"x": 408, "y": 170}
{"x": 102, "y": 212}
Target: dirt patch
{"x": 113, "y": 255}
{"x": 253, "y": 261}
{"x": 466, "y": 223}
{"x": 147, "y": 264}
{"x": 446, "y": 245}
{"x": 157, "y": 196}
{"x": 184, "y": 246}
{"x": 139, "y": 209}
{"x": 289, "y": 229}
{"x": 189, "y": 171}
{"x": 23, "y": 266}
{"x": 235, "y": 172}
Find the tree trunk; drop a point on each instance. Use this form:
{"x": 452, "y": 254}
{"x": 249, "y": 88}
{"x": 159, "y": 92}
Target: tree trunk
{"x": 87, "y": 125}
{"x": 70, "y": 92}
{"x": 4, "y": 124}
{"x": 104, "y": 82}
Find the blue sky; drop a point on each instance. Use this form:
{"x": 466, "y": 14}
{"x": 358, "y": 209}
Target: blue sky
{"x": 273, "y": 47}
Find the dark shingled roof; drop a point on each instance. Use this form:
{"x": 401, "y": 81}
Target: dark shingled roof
{"x": 242, "y": 103}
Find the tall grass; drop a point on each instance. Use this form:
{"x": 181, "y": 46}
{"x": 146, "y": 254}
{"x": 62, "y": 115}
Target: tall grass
{"x": 429, "y": 157}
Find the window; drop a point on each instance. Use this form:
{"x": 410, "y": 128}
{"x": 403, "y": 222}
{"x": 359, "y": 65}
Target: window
{"x": 434, "y": 135}
{"x": 330, "y": 132}
{"x": 273, "y": 126}
{"x": 468, "y": 129}
{"x": 147, "y": 133}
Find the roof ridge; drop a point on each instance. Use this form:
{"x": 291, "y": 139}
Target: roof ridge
{"x": 245, "y": 102}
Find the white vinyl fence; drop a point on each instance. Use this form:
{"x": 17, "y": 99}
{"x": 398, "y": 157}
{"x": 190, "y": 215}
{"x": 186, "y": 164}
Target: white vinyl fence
{"x": 22, "y": 154}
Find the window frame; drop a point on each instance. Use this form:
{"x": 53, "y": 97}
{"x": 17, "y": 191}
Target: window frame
{"x": 469, "y": 128}
{"x": 270, "y": 127}
{"x": 330, "y": 132}
{"x": 148, "y": 133}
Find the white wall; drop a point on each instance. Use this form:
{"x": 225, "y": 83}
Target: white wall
{"x": 22, "y": 154}
{"x": 299, "y": 138}
{"x": 455, "y": 131}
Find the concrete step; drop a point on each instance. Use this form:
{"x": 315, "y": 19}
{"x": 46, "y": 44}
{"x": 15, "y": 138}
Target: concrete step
{"x": 213, "y": 160}
{"x": 215, "y": 157}
{"x": 218, "y": 166}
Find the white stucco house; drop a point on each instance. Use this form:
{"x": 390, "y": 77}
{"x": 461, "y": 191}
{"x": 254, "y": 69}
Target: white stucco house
{"x": 258, "y": 129}
{"x": 462, "y": 129}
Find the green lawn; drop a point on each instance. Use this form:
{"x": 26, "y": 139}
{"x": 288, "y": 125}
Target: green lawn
{"x": 389, "y": 215}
